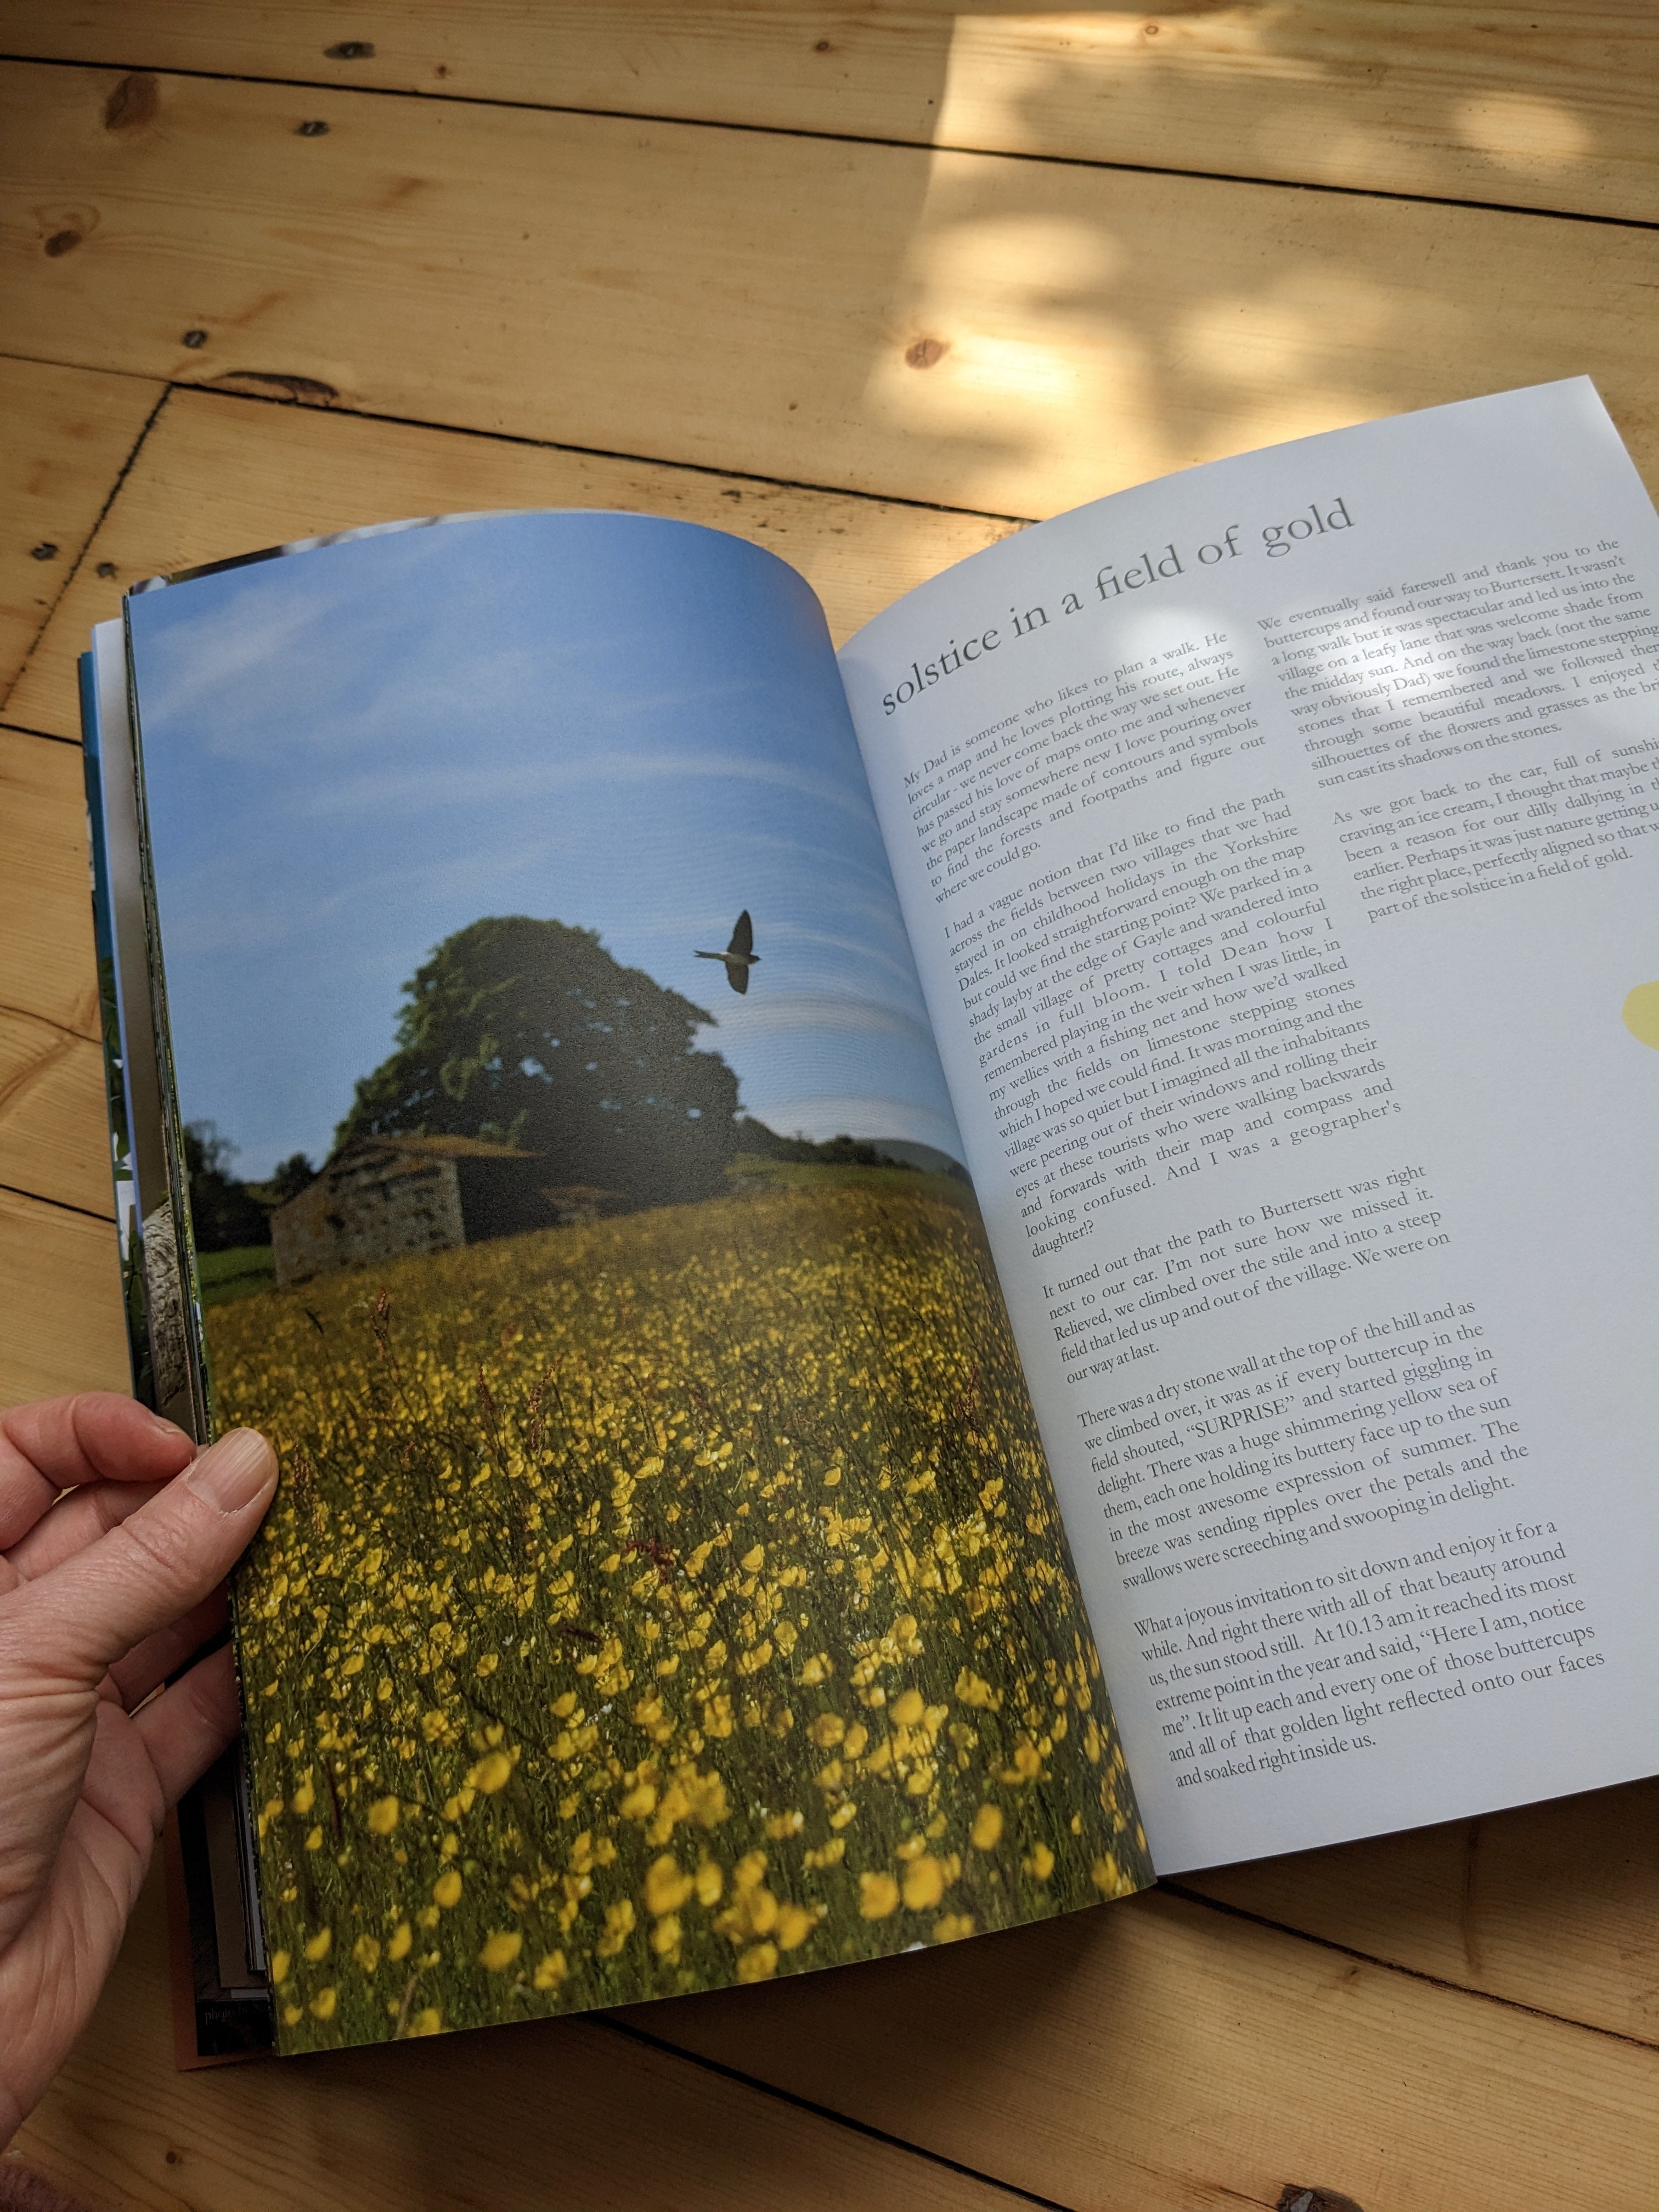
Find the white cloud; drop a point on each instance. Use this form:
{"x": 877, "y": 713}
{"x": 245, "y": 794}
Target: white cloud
{"x": 819, "y": 1013}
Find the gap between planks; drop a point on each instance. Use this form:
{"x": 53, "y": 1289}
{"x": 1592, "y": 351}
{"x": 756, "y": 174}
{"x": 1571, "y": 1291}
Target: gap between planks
{"x": 86, "y": 537}
{"x": 1260, "y": 179}
{"x": 999, "y": 524}
{"x": 224, "y": 474}
{"x": 620, "y": 2025}
{"x": 71, "y": 435}
{"x": 1177, "y": 1886}
{"x": 1548, "y": 107}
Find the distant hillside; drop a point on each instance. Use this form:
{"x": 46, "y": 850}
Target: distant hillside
{"x": 845, "y": 1150}
{"x": 927, "y": 1158}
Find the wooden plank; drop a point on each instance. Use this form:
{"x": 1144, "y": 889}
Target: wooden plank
{"x": 1554, "y": 105}
{"x": 68, "y": 432}
{"x": 60, "y": 1303}
{"x": 1549, "y": 1905}
{"x": 565, "y": 2111}
{"x": 1155, "y": 2056}
{"x": 60, "y": 1320}
{"x": 48, "y": 970}
{"x": 1009, "y": 336}
{"x": 54, "y": 1134}
{"x": 221, "y": 475}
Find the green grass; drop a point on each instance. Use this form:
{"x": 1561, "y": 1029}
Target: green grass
{"x": 669, "y": 1602}
{"x": 237, "y": 1274}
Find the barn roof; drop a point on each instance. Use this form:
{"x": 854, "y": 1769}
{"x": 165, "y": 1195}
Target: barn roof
{"x": 433, "y": 1147}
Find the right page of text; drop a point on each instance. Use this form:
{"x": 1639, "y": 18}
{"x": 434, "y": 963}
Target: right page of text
{"x": 1277, "y": 845}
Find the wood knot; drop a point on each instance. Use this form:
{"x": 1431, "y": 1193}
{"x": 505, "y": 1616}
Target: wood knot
{"x": 316, "y": 128}
{"x": 273, "y": 383}
{"x": 824, "y": 46}
{"x": 61, "y": 242}
{"x": 1297, "y": 2197}
{"x": 105, "y": 569}
{"x": 922, "y": 353}
{"x": 46, "y": 550}
{"x": 134, "y": 101}
{"x": 350, "y": 50}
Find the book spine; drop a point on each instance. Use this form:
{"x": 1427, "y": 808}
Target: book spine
{"x": 118, "y": 1104}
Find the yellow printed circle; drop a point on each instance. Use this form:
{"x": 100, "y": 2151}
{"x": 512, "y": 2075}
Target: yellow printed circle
{"x": 1641, "y": 1012}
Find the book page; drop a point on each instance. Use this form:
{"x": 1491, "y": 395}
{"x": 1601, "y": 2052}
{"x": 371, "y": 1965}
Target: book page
{"x": 1277, "y": 845}
{"x": 665, "y": 1589}
{"x": 138, "y": 1157}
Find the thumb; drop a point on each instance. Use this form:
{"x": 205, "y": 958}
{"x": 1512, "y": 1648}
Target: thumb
{"x": 85, "y": 1614}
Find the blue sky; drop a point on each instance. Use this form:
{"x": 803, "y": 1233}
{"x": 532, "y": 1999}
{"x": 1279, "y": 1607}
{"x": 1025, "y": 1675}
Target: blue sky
{"x": 632, "y": 724}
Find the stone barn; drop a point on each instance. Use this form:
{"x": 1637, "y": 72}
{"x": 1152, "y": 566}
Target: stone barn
{"x": 385, "y": 1196}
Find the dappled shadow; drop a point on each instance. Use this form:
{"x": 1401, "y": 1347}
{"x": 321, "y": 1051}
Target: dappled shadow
{"x": 1068, "y": 330}
{"x": 1398, "y": 95}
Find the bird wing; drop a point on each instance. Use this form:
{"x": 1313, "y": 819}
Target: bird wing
{"x": 743, "y": 937}
{"x": 737, "y": 976}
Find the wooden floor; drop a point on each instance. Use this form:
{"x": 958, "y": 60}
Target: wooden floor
{"x": 871, "y": 283}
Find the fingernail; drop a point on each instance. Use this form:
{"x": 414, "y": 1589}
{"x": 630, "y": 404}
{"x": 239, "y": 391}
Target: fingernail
{"x": 163, "y": 1427}
{"x": 231, "y": 1473}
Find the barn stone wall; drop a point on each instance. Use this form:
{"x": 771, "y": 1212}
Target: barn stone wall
{"x": 368, "y": 1206}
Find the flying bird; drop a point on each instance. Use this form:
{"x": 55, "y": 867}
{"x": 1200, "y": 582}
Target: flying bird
{"x": 739, "y": 955}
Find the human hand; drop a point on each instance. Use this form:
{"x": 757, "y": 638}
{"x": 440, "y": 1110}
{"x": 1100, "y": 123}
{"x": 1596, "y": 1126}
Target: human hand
{"x": 104, "y": 1592}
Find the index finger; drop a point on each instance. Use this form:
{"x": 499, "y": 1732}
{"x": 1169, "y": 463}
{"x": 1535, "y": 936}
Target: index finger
{"x": 58, "y": 1444}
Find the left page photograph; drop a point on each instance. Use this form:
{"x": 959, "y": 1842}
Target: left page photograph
{"x": 665, "y": 1589}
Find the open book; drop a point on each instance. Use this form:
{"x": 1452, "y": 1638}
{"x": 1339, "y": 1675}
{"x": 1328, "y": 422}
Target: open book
{"x": 897, "y": 1289}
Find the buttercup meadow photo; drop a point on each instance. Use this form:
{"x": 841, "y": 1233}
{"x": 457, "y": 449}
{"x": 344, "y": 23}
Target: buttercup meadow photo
{"x": 665, "y": 1589}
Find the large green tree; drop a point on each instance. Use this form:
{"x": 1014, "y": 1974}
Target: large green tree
{"x": 531, "y": 1033}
